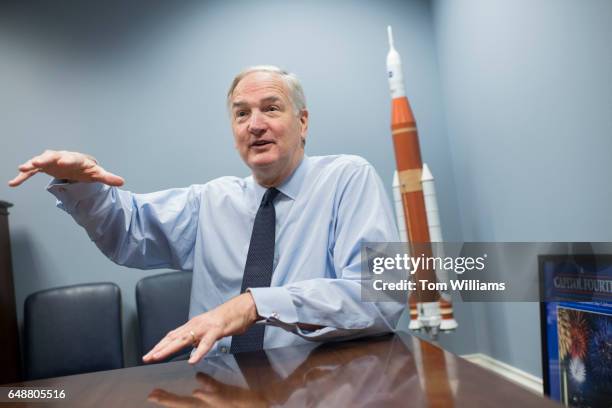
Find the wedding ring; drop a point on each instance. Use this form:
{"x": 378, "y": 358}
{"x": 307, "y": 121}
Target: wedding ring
{"x": 193, "y": 337}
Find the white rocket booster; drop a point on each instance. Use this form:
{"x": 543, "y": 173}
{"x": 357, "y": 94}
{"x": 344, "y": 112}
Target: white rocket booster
{"x": 435, "y": 233}
{"x": 431, "y": 205}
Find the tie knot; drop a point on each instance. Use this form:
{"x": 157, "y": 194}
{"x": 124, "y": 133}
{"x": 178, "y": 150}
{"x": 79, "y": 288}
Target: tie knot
{"x": 269, "y": 196}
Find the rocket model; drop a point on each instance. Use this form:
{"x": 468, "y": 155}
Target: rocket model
{"x": 415, "y": 203}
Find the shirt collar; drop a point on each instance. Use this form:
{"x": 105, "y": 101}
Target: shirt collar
{"x": 290, "y": 187}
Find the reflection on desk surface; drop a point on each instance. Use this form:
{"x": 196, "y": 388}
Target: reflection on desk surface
{"x": 395, "y": 370}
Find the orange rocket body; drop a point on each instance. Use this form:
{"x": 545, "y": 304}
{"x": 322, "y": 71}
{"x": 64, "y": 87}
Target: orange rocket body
{"x": 409, "y": 170}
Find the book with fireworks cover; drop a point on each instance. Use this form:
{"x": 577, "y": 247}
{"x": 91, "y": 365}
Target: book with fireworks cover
{"x": 576, "y": 323}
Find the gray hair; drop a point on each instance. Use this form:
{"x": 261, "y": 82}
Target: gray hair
{"x": 296, "y": 93}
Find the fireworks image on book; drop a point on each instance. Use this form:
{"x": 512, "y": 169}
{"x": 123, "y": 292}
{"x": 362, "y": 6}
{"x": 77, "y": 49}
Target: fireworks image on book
{"x": 573, "y": 332}
{"x": 600, "y": 351}
{"x": 585, "y": 356}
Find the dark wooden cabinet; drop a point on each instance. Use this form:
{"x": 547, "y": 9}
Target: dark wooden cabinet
{"x": 10, "y": 356}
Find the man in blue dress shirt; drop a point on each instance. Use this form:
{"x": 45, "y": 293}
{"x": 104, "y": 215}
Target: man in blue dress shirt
{"x": 326, "y": 207}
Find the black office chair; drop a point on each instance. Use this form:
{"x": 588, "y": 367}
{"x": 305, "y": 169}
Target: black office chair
{"x": 163, "y": 305}
{"x": 73, "y": 329}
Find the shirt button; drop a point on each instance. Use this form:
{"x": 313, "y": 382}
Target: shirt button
{"x": 224, "y": 349}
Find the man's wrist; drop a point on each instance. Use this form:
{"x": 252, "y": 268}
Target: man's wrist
{"x": 251, "y": 308}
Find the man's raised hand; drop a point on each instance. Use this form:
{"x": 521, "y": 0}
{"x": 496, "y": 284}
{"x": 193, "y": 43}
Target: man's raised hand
{"x": 71, "y": 166}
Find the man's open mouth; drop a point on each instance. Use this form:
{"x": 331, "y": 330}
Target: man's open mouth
{"x": 260, "y": 143}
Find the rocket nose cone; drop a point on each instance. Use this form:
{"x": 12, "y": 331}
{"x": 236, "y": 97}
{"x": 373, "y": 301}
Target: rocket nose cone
{"x": 393, "y": 57}
{"x": 426, "y": 175}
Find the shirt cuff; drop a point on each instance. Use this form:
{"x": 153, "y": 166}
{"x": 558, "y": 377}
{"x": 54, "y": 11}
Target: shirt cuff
{"x": 274, "y": 304}
{"x": 68, "y": 194}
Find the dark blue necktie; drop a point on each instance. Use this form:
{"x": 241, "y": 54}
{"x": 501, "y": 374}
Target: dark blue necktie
{"x": 258, "y": 267}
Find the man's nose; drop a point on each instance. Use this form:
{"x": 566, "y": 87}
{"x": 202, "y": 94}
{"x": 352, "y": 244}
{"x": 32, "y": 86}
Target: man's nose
{"x": 257, "y": 123}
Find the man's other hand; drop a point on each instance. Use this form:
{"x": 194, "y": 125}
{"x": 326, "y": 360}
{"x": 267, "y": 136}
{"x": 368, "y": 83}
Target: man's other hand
{"x": 71, "y": 166}
{"x": 232, "y": 317}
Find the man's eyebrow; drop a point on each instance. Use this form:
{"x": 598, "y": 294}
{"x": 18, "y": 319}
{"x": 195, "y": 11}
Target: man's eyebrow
{"x": 271, "y": 99}
{"x": 268, "y": 99}
{"x": 238, "y": 104}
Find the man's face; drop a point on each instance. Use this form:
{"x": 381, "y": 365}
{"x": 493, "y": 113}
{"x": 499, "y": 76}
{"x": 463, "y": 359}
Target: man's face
{"x": 267, "y": 132}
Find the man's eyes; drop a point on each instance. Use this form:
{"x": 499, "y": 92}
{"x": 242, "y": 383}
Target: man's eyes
{"x": 244, "y": 113}
{"x": 241, "y": 114}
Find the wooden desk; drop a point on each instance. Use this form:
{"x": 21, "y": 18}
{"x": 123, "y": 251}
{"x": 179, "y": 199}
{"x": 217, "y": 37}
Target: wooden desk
{"x": 398, "y": 370}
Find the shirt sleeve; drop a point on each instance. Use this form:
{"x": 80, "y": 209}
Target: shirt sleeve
{"x": 145, "y": 231}
{"x": 364, "y": 215}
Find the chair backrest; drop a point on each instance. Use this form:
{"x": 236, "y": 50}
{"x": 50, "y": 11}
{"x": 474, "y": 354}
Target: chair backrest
{"x": 73, "y": 329}
{"x": 163, "y": 305}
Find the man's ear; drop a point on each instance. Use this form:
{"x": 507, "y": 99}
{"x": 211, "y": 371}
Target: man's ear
{"x": 303, "y": 123}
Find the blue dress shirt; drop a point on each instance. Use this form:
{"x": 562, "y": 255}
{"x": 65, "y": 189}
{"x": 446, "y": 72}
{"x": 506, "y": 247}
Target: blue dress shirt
{"x": 328, "y": 207}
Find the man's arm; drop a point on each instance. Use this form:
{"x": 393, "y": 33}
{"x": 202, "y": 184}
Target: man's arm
{"x": 146, "y": 231}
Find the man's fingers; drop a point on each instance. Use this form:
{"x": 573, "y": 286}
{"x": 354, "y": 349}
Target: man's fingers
{"x": 168, "y": 345}
{"x": 70, "y": 160}
{"x": 45, "y": 159}
{"x": 169, "y": 349}
{"x": 172, "y": 344}
{"x": 97, "y": 173}
{"x": 27, "y": 166}
{"x": 150, "y": 356}
{"x": 108, "y": 178}
{"x": 204, "y": 347}
{"x": 21, "y": 177}
{"x": 67, "y": 165}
